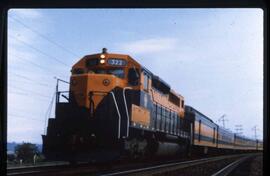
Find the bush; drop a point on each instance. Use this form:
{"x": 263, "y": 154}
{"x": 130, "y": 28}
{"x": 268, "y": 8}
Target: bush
{"x": 26, "y": 151}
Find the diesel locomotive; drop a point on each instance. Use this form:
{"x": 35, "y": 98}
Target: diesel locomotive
{"x": 116, "y": 107}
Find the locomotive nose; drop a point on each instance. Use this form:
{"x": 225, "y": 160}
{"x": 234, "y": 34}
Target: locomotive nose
{"x": 101, "y": 83}
{"x": 98, "y": 84}
{"x": 106, "y": 82}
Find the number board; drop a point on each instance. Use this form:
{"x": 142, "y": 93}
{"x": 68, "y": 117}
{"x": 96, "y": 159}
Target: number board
{"x": 117, "y": 62}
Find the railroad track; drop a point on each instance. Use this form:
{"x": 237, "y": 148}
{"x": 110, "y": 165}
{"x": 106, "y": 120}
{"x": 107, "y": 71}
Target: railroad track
{"x": 228, "y": 169}
{"x": 177, "y": 167}
{"x": 118, "y": 169}
{"x": 34, "y": 170}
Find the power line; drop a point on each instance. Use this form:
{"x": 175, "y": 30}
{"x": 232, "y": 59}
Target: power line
{"x": 34, "y": 48}
{"x": 28, "y": 95}
{"x": 48, "y": 112}
{"x": 25, "y": 82}
{"x": 23, "y": 110}
{"x": 28, "y": 92}
{"x": 34, "y": 64}
{"x": 17, "y": 93}
{"x": 255, "y": 129}
{"x": 238, "y": 129}
{"x": 222, "y": 118}
{"x": 39, "y": 97}
{"x": 46, "y": 38}
{"x": 20, "y": 81}
{"x": 23, "y": 117}
{"x": 28, "y": 79}
{"x": 44, "y": 77}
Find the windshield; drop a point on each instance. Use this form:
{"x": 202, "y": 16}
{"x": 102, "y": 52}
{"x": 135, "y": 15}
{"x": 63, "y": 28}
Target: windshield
{"x": 117, "y": 72}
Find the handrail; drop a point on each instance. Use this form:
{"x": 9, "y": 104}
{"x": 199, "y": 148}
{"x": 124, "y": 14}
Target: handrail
{"x": 58, "y": 93}
{"x": 124, "y": 97}
{"x": 58, "y": 79}
{"x": 64, "y": 91}
{"x": 119, "y": 115}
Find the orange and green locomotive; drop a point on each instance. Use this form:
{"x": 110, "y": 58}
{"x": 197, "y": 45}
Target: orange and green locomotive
{"x": 116, "y": 107}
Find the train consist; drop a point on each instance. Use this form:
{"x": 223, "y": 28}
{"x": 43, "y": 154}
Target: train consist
{"x": 116, "y": 107}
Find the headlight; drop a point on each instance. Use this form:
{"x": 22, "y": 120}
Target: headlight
{"x": 102, "y": 56}
{"x": 102, "y": 61}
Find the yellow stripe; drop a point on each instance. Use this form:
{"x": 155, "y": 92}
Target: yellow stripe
{"x": 204, "y": 143}
{"x": 225, "y": 146}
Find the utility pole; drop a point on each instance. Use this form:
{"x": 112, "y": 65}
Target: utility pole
{"x": 222, "y": 118}
{"x": 255, "y": 129}
{"x": 238, "y": 129}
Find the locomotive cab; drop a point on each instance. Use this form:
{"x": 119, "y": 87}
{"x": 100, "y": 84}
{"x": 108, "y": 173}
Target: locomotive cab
{"x": 97, "y": 75}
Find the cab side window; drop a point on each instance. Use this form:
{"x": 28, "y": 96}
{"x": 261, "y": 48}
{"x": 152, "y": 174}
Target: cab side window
{"x": 133, "y": 76}
{"x": 145, "y": 81}
{"x": 77, "y": 71}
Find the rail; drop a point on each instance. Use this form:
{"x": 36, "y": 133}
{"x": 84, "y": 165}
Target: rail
{"x": 231, "y": 167}
{"x": 178, "y": 165}
{"x": 35, "y": 169}
{"x": 118, "y": 168}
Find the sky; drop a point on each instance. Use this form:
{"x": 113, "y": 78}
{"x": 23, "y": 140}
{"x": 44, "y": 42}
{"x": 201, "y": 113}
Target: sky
{"x": 213, "y": 57}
